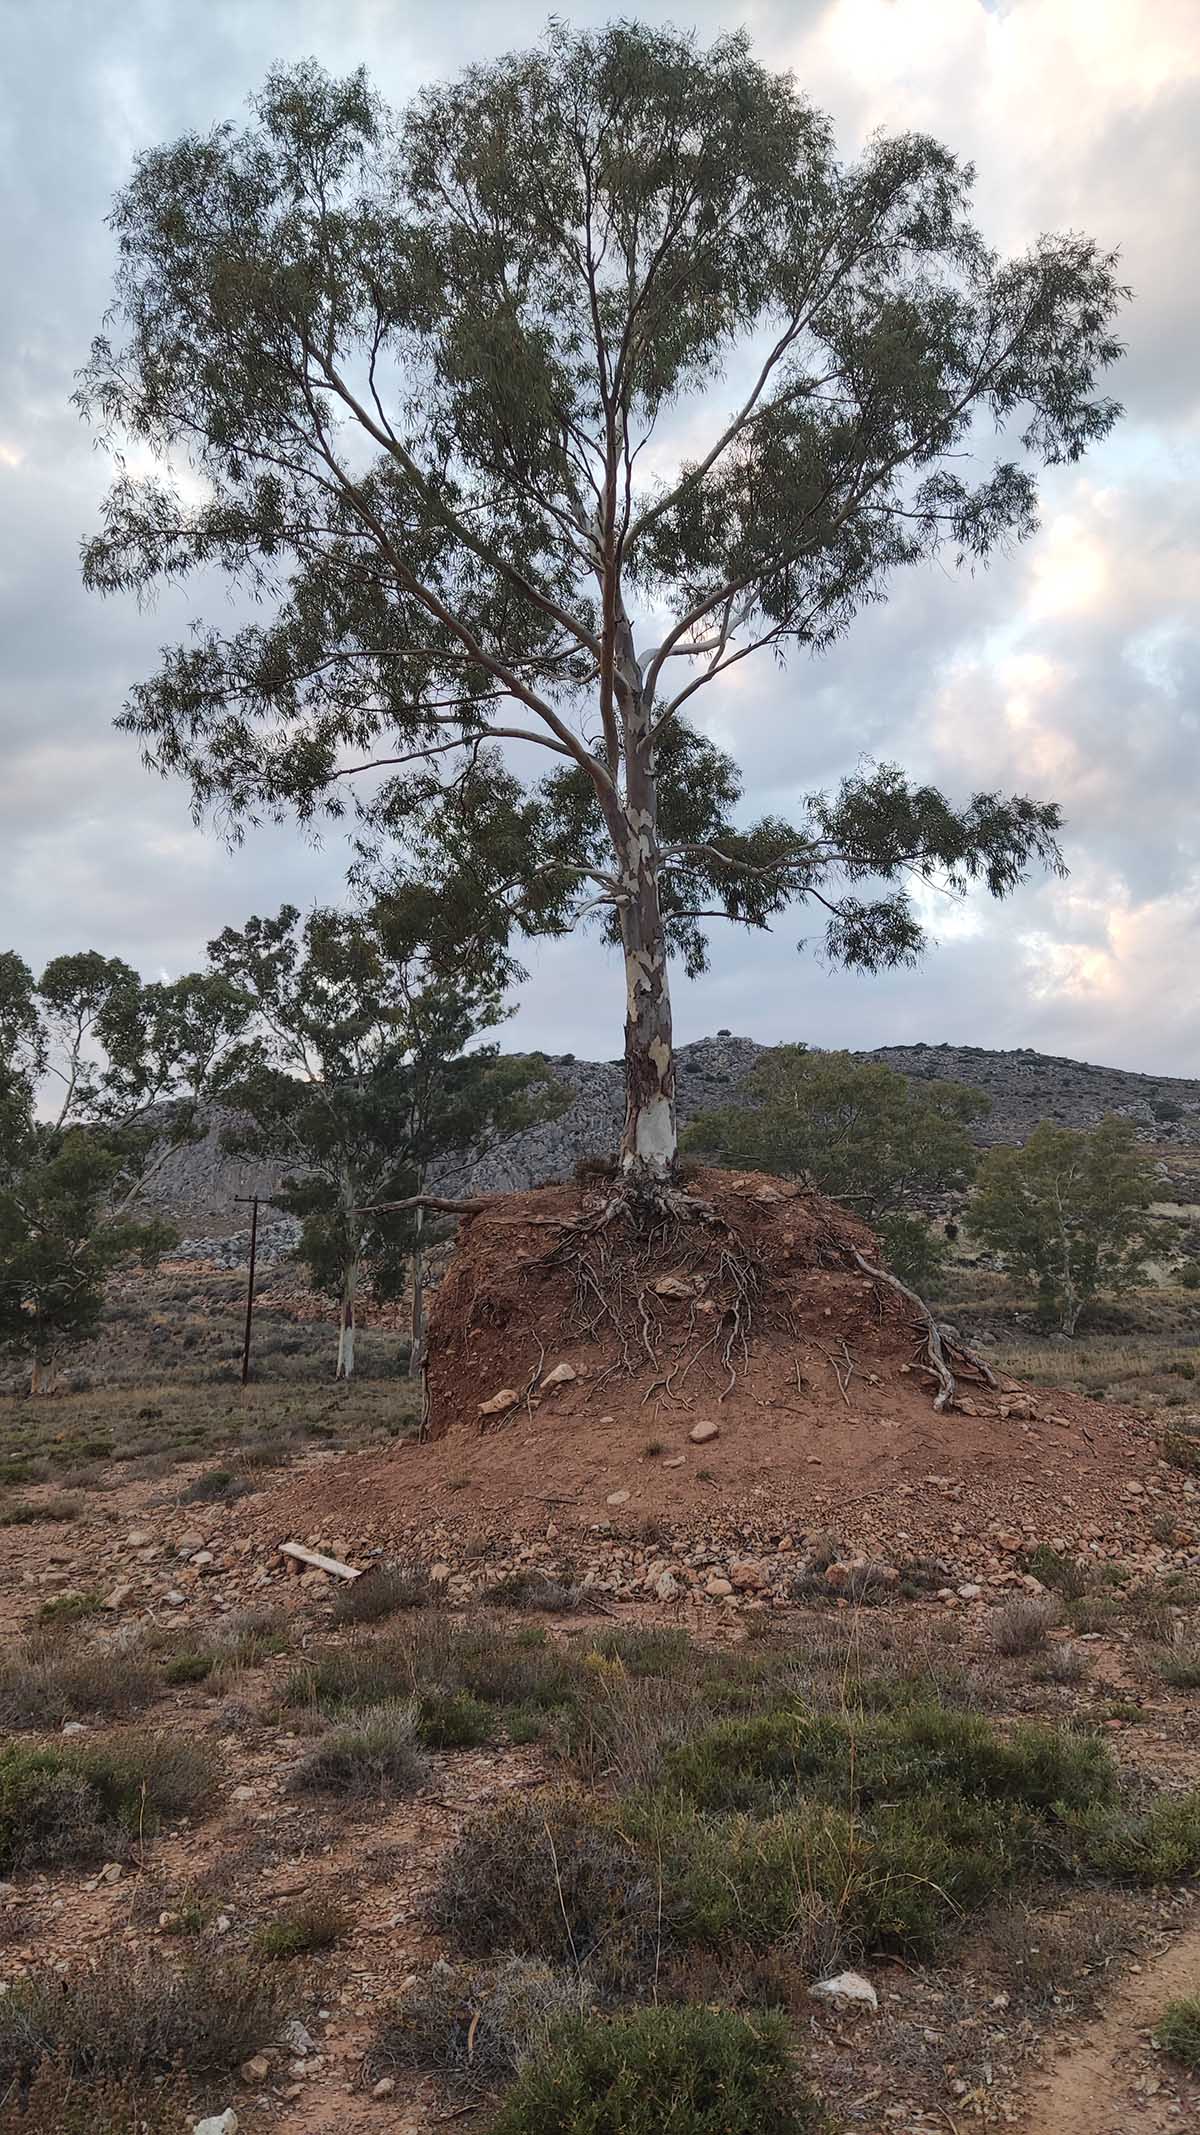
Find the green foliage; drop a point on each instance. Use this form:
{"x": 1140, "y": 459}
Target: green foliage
{"x": 1177, "y": 2032}
{"x": 414, "y": 362}
{"x": 1069, "y": 1214}
{"x": 913, "y": 1251}
{"x": 454, "y": 1720}
{"x": 95, "y": 1802}
{"x": 374, "y": 1756}
{"x": 110, "y": 1049}
{"x": 317, "y": 1924}
{"x": 858, "y": 1129}
{"x": 1158, "y": 1844}
{"x": 671, "y": 2071}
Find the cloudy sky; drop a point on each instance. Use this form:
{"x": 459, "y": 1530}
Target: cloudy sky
{"x": 1069, "y": 669}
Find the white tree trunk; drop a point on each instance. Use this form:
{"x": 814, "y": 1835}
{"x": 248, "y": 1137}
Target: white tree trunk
{"x": 649, "y": 1143}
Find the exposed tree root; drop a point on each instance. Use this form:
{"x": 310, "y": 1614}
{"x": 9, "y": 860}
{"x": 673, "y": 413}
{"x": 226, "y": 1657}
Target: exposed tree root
{"x": 935, "y": 1347}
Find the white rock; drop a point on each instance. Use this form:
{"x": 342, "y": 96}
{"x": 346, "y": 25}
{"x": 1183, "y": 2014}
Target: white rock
{"x": 617, "y": 1497}
{"x": 562, "y": 1375}
{"x": 846, "y": 1990}
{"x": 970, "y": 1591}
{"x": 297, "y": 2039}
{"x": 507, "y": 1398}
{"x": 667, "y": 1586}
{"x": 226, "y": 2123}
{"x": 700, "y": 1433}
{"x": 677, "y": 1460}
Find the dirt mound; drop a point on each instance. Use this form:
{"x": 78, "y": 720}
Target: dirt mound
{"x": 741, "y": 1379}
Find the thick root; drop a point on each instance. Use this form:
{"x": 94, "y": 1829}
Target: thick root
{"x": 935, "y": 1346}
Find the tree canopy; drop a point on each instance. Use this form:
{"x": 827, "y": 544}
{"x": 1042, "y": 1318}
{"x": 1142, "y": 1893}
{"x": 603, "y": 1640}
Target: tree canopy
{"x": 1069, "y": 1214}
{"x": 432, "y": 372}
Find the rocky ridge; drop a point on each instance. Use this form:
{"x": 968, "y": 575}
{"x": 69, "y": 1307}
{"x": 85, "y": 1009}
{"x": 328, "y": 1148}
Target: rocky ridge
{"x": 199, "y": 1182}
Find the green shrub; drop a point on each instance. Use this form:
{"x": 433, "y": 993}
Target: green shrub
{"x": 81, "y": 1804}
{"x": 1178, "y": 2032}
{"x": 63, "y": 1610}
{"x": 317, "y": 1924}
{"x": 475, "y": 2028}
{"x": 554, "y": 1879}
{"x": 220, "y": 1486}
{"x": 130, "y": 2017}
{"x": 673, "y": 2071}
{"x": 750, "y": 1764}
{"x": 193, "y": 1665}
{"x": 1064, "y": 1575}
{"x": 375, "y": 1755}
{"x": 453, "y": 1720}
{"x": 1160, "y": 1844}
{"x": 431, "y": 1653}
{"x": 384, "y": 1590}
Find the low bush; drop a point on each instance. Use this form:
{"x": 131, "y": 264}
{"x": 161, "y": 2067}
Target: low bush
{"x": 1023, "y": 1625}
{"x": 453, "y": 1720}
{"x": 32, "y": 1512}
{"x": 1052, "y": 1960}
{"x": 63, "y": 1611}
{"x": 1158, "y": 1844}
{"x": 1064, "y": 1662}
{"x": 375, "y": 1755}
{"x": 1178, "y": 2032}
{"x": 58, "y": 2103}
{"x": 535, "y": 1590}
{"x": 1179, "y": 1666}
{"x": 1062, "y": 1574}
{"x": 44, "y": 1681}
{"x": 218, "y": 1486}
{"x": 129, "y": 2017}
{"x": 317, "y": 1924}
{"x": 384, "y": 1590}
{"x": 1181, "y": 1446}
{"x": 95, "y": 1802}
{"x": 691, "y": 2070}
{"x": 554, "y": 1879}
{"x": 475, "y": 2028}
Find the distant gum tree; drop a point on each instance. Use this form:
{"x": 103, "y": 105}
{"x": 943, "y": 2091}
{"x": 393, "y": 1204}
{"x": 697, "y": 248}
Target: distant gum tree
{"x": 430, "y": 375}
{"x": 101, "y": 1077}
{"x": 1069, "y": 1214}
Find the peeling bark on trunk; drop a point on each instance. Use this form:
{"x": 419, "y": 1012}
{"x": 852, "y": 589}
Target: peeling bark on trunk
{"x": 345, "y": 1359}
{"x": 417, "y": 1324}
{"x": 649, "y": 1142}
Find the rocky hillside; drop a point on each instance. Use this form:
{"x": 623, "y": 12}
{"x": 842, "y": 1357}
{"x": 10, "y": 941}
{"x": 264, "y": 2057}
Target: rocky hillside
{"x": 199, "y": 1184}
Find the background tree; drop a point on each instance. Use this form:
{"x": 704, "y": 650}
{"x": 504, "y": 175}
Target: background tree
{"x": 357, "y": 1074}
{"x": 1069, "y": 1214}
{"x": 416, "y": 364}
{"x": 124, "y": 1067}
{"x": 860, "y": 1131}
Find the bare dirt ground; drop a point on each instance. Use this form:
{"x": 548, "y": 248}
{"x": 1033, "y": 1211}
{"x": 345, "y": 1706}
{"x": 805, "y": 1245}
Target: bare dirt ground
{"x": 114, "y": 1527}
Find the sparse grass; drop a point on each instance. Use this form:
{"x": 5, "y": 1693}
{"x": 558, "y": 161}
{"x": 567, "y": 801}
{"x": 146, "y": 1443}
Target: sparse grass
{"x": 1065, "y": 1663}
{"x": 316, "y": 1924}
{"x": 512, "y": 1671}
{"x": 1179, "y": 1666}
{"x": 698, "y": 2071}
{"x": 1049, "y": 1960}
{"x": 1023, "y": 1625}
{"x": 384, "y": 1590}
{"x": 100, "y": 1801}
{"x": 220, "y": 1486}
{"x": 245, "y": 1640}
{"x": 34, "y": 1511}
{"x": 376, "y": 1755}
{"x": 1062, "y": 1574}
{"x": 129, "y": 2017}
{"x": 46, "y": 1679}
{"x": 1178, "y": 2032}
{"x": 1181, "y": 1446}
{"x": 475, "y": 2027}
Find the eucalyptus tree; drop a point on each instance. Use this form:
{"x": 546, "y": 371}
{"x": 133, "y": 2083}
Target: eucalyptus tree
{"x": 360, "y": 1069}
{"x": 101, "y": 1077}
{"x": 529, "y": 414}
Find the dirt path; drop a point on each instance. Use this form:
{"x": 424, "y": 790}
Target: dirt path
{"x": 1109, "y": 2079}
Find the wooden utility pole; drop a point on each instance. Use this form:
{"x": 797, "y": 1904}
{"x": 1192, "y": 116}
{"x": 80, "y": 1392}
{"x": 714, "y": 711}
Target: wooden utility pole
{"x": 253, "y": 1200}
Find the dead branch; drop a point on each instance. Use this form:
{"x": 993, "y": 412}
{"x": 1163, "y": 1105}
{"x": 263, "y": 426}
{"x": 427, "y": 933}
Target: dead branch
{"x": 934, "y": 1348}
{"x": 477, "y": 1207}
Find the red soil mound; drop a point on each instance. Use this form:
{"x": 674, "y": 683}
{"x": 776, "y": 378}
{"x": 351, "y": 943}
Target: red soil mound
{"x": 758, "y": 1323}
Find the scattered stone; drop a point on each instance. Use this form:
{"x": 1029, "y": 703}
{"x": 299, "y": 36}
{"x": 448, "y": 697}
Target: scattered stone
{"x": 617, "y": 1497}
{"x": 73, "y": 1727}
{"x": 970, "y": 1591}
{"x": 256, "y": 2069}
{"x": 226, "y": 2123}
{"x": 500, "y": 1403}
{"x": 562, "y": 1375}
{"x": 119, "y": 1595}
{"x": 667, "y": 1586}
{"x": 678, "y": 1286}
{"x": 846, "y": 1990}
{"x": 139, "y": 1539}
{"x": 385, "y": 2087}
{"x": 701, "y": 1433}
{"x": 718, "y": 1588}
{"x": 677, "y": 1460}
{"x": 188, "y": 1544}
{"x": 174, "y": 1599}
{"x": 297, "y": 2039}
